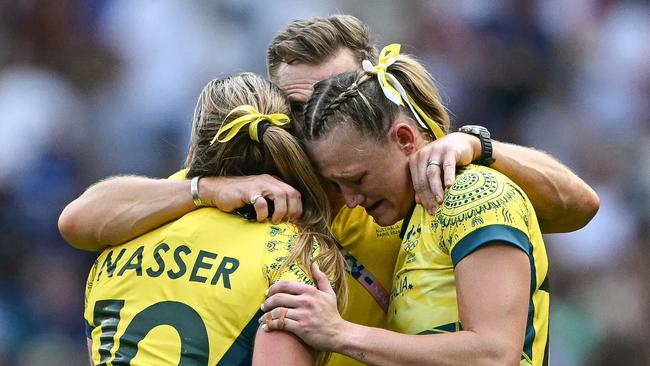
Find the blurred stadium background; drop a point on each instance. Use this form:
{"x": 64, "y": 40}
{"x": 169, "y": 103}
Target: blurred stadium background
{"x": 93, "y": 88}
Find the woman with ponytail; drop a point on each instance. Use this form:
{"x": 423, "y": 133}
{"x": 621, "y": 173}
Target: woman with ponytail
{"x": 188, "y": 293}
{"x": 470, "y": 282}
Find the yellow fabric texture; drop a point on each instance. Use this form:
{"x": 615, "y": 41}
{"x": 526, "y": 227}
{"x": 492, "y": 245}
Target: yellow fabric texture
{"x": 189, "y": 289}
{"x": 376, "y": 248}
{"x": 481, "y": 206}
{"x": 179, "y": 175}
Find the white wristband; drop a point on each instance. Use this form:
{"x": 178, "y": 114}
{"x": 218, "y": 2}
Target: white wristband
{"x": 194, "y": 190}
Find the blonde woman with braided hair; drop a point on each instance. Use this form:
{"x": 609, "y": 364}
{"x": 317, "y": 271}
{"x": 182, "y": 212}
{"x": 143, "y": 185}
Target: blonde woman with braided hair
{"x": 469, "y": 286}
{"x": 188, "y": 293}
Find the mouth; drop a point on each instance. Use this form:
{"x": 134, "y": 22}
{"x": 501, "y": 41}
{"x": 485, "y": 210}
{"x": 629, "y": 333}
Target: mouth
{"x": 372, "y": 208}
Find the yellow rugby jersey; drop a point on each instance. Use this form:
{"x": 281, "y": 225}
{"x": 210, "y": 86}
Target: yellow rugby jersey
{"x": 481, "y": 206}
{"x": 179, "y": 175}
{"x": 368, "y": 246}
{"x": 187, "y": 293}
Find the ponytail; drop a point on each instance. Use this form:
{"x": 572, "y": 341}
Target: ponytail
{"x": 371, "y": 99}
{"x": 241, "y": 128}
{"x": 424, "y": 95}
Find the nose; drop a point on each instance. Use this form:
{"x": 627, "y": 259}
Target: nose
{"x": 351, "y": 197}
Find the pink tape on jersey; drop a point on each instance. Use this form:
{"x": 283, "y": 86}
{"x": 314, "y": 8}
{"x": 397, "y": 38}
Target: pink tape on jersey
{"x": 366, "y": 279}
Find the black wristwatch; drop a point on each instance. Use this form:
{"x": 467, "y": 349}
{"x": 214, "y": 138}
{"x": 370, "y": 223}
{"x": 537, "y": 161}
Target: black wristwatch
{"x": 483, "y": 135}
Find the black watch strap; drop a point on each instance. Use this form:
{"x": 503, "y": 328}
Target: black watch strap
{"x": 483, "y": 135}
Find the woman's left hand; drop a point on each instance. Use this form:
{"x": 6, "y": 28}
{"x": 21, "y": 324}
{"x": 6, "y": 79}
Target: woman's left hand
{"x": 308, "y": 312}
{"x": 433, "y": 167}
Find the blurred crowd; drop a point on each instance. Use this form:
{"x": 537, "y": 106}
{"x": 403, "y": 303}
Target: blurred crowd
{"x": 94, "y": 88}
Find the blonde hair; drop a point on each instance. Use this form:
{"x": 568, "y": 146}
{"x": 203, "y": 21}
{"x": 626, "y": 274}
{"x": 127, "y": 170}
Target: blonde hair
{"x": 313, "y": 41}
{"x": 278, "y": 153}
{"x": 356, "y": 98}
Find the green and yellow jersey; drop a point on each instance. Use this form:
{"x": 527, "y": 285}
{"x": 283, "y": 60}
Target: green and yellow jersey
{"x": 371, "y": 248}
{"x": 187, "y": 293}
{"x": 482, "y": 206}
{"x": 368, "y": 248}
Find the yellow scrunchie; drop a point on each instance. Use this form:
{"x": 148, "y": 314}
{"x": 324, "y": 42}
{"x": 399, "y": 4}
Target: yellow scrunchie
{"x": 252, "y": 118}
{"x": 394, "y": 91}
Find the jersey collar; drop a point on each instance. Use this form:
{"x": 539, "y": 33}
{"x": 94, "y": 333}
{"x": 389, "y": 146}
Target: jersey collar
{"x": 406, "y": 221}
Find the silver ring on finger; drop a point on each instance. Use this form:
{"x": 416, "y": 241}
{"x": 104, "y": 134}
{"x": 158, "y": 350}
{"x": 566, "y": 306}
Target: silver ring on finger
{"x": 434, "y": 162}
{"x": 254, "y": 198}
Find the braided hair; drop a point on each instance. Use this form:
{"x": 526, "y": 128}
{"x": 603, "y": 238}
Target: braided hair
{"x": 357, "y": 99}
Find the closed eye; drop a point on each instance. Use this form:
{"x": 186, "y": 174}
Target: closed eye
{"x": 360, "y": 179}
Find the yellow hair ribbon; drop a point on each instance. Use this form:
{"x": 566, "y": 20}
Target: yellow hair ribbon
{"x": 431, "y": 124}
{"x": 395, "y": 92}
{"x": 386, "y": 58}
{"x": 252, "y": 118}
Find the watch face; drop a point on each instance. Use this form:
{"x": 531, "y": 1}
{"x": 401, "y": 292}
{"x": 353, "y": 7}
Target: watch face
{"x": 486, "y": 145}
{"x": 474, "y": 130}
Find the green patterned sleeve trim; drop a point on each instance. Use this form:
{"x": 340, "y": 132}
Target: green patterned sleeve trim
{"x": 406, "y": 220}
{"x": 486, "y": 235}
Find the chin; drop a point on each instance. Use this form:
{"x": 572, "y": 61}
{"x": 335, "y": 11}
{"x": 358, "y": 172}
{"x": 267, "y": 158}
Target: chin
{"x": 385, "y": 219}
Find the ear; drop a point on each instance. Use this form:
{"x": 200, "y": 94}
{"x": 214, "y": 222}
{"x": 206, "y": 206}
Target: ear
{"x": 404, "y": 136}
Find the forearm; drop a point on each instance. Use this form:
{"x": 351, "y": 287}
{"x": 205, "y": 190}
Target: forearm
{"x": 375, "y": 346}
{"x": 121, "y": 208}
{"x": 492, "y": 287}
{"x": 563, "y": 202}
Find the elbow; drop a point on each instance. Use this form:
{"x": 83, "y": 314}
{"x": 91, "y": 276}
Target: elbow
{"x": 67, "y": 225}
{"x": 589, "y": 206}
{"x": 592, "y": 205}
{"x": 574, "y": 216}
{"x": 70, "y": 228}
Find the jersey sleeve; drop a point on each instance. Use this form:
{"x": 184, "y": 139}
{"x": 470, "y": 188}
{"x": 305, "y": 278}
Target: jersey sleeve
{"x": 179, "y": 175}
{"x": 481, "y": 207}
{"x": 281, "y": 241}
